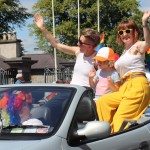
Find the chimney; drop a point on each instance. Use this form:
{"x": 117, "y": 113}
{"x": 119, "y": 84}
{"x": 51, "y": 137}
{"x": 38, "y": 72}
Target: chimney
{"x": 9, "y": 35}
{"x": 10, "y": 46}
{"x": 4, "y": 36}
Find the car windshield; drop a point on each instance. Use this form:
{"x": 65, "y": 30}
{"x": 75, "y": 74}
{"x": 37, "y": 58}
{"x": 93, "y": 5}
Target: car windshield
{"x": 33, "y": 109}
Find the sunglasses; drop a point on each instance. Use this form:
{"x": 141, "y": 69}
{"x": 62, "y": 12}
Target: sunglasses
{"x": 127, "y": 31}
{"x": 82, "y": 43}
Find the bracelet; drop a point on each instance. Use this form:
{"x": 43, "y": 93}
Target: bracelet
{"x": 144, "y": 24}
{"x": 43, "y": 28}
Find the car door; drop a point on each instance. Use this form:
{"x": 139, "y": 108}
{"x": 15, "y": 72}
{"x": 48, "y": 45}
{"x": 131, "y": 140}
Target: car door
{"x": 131, "y": 139}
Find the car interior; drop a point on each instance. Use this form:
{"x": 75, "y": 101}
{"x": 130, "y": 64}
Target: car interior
{"x": 86, "y": 112}
{"x": 42, "y": 113}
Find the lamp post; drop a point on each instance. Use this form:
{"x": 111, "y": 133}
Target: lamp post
{"x": 78, "y": 19}
{"x": 55, "y": 57}
{"x": 98, "y": 28}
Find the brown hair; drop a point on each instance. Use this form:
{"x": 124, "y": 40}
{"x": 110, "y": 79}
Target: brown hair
{"x": 92, "y": 35}
{"x": 128, "y": 24}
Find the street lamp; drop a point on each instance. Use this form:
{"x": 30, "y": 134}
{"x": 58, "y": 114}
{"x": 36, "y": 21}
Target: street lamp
{"x": 98, "y": 16}
{"x": 78, "y": 19}
{"x": 55, "y": 57}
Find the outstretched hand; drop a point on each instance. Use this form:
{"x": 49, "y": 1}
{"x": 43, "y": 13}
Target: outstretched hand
{"x": 38, "y": 19}
{"x": 146, "y": 16}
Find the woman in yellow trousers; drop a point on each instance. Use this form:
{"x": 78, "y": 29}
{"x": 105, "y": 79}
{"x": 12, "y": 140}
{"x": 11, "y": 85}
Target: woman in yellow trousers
{"x": 133, "y": 97}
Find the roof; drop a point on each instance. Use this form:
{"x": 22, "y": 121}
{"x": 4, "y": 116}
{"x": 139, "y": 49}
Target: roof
{"x": 3, "y": 65}
{"x": 45, "y": 60}
{"x": 39, "y": 61}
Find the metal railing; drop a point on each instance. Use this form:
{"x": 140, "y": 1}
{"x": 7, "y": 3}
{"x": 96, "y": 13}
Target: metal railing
{"x": 64, "y": 74}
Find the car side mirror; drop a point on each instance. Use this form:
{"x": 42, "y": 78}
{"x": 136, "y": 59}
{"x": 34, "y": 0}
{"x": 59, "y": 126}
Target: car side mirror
{"x": 95, "y": 129}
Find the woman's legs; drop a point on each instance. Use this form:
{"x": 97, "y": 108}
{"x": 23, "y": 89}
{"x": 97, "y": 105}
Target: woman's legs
{"x": 107, "y": 106}
{"x": 134, "y": 102}
{"x": 129, "y": 102}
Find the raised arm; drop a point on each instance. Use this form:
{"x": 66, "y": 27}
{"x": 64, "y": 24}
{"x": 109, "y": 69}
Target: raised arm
{"x": 146, "y": 28}
{"x": 71, "y": 50}
{"x": 142, "y": 46}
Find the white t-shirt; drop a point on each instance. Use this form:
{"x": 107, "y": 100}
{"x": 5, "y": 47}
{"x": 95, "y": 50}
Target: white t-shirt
{"x": 82, "y": 68}
{"x": 102, "y": 86}
{"x": 33, "y": 121}
{"x": 129, "y": 63}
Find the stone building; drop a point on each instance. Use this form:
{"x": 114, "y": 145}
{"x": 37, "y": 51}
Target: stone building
{"x": 13, "y": 61}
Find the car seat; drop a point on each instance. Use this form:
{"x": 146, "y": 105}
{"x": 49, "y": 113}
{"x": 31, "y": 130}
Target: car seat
{"x": 42, "y": 113}
{"x": 86, "y": 111}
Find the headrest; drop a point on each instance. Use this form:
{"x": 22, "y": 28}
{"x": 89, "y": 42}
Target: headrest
{"x": 85, "y": 110}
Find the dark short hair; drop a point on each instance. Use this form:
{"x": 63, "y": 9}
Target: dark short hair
{"x": 92, "y": 35}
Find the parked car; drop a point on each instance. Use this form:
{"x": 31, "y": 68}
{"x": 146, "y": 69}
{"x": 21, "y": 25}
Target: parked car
{"x": 63, "y": 117}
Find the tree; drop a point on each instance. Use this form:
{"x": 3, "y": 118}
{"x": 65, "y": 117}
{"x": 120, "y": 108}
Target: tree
{"x": 12, "y": 14}
{"x": 66, "y": 19}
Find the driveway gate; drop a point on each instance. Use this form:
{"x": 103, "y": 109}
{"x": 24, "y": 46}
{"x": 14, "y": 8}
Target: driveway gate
{"x": 64, "y": 74}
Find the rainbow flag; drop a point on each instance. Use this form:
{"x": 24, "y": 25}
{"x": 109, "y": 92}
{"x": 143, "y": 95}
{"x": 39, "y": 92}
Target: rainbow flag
{"x": 147, "y": 58}
{"x": 101, "y": 44}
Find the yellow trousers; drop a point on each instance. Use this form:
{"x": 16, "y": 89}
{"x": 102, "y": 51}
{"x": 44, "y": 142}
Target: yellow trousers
{"x": 129, "y": 102}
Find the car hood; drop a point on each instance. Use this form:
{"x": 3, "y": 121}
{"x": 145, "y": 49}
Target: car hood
{"x": 31, "y": 144}
{"x": 17, "y": 145}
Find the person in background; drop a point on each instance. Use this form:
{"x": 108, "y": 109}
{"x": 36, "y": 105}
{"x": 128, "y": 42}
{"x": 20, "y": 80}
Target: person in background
{"x": 26, "y": 117}
{"x": 132, "y": 99}
{"x": 60, "y": 81}
{"x": 20, "y": 78}
{"x": 84, "y": 51}
{"x": 105, "y": 79}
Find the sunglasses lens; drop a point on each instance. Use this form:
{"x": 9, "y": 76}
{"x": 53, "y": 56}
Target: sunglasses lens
{"x": 124, "y": 31}
{"x": 128, "y": 31}
{"x": 120, "y": 32}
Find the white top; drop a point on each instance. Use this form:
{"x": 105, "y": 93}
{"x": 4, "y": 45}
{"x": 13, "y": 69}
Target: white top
{"x": 129, "y": 63}
{"x": 82, "y": 68}
{"x": 33, "y": 121}
{"x": 102, "y": 86}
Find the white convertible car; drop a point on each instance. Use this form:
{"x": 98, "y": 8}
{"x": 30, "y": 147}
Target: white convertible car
{"x": 62, "y": 117}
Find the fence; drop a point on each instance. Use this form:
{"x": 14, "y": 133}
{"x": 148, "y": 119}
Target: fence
{"x": 6, "y": 77}
{"x": 64, "y": 74}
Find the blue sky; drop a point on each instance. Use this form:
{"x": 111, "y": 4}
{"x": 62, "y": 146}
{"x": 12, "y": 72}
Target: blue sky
{"x": 29, "y": 42}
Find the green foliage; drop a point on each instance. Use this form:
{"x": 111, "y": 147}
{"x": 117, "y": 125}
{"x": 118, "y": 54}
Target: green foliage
{"x": 66, "y": 19}
{"x": 114, "y": 11}
{"x": 11, "y": 14}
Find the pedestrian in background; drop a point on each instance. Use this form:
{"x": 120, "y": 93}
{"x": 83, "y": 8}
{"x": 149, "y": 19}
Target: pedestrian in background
{"x": 20, "y": 78}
